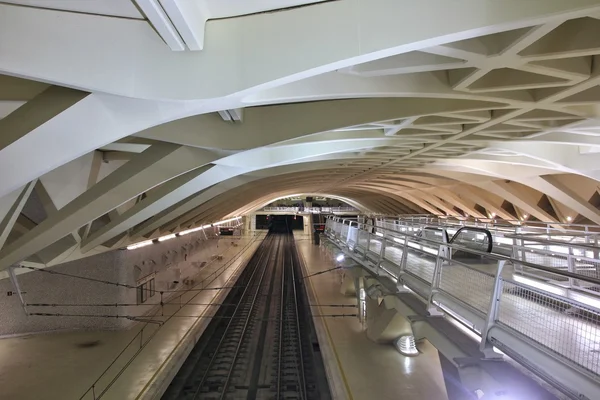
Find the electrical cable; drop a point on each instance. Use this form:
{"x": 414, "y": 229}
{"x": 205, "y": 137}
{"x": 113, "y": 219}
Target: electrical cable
{"x": 142, "y": 346}
{"x": 157, "y": 304}
{"x": 125, "y": 285}
{"x": 322, "y": 272}
{"x": 136, "y": 317}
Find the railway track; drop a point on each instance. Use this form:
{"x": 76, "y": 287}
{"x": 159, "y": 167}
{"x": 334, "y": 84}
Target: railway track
{"x": 261, "y": 345}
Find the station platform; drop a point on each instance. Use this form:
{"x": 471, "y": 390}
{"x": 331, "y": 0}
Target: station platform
{"x": 368, "y": 370}
{"x": 65, "y": 365}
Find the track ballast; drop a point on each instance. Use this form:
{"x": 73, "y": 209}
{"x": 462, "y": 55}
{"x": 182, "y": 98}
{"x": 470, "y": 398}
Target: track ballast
{"x": 261, "y": 343}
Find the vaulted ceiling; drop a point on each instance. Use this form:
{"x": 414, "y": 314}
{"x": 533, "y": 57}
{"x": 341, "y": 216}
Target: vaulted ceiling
{"x": 125, "y": 120}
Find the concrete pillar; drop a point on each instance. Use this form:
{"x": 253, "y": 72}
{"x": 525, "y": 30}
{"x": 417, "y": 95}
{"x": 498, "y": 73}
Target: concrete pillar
{"x": 384, "y": 324}
{"x": 351, "y": 281}
{"x": 307, "y": 221}
{"x": 348, "y": 287}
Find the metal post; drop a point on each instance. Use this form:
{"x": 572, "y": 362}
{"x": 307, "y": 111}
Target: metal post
{"x": 485, "y": 346}
{"x": 404, "y": 258}
{"x": 571, "y": 267}
{"x": 13, "y": 279}
{"x": 382, "y": 252}
{"x": 435, "y": 281}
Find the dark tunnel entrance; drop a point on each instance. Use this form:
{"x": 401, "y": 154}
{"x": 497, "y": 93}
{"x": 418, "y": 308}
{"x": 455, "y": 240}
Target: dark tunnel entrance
{"x": 280, "y": 223}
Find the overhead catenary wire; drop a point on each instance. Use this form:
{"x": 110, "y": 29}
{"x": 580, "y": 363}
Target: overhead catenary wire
{"x": 125, "y": 285}
{"x": 175, "y": 315}
{"x": 143, "y": 345}
{"x": 158, "y": 304}
{"x": 322, "y": 272}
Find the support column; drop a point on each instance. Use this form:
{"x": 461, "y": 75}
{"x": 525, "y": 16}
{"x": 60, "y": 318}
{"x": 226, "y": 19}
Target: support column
{"x": 384, "y": 323}
{"x": 7, "y": 223}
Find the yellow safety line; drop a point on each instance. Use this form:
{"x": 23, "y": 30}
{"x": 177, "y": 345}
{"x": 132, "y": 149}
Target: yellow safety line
{"x": 192, "y": 328}
{"x": 335, "y": 353}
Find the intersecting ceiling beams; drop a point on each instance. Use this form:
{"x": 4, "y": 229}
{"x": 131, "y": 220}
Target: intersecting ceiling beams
{"x": 108, "y": 136}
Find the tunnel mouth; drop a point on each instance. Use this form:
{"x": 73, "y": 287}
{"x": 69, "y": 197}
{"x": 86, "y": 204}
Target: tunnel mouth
{"x": 280, "y": 223}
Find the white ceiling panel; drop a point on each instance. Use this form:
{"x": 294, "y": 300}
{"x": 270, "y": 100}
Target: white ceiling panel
{"x": 117, "y": 8}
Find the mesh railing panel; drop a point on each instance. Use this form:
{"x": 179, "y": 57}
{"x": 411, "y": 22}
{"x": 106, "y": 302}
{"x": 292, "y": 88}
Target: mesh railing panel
{"x": 468, "y": 285}
{"x": 420, "y": 266}
{"x": 567, "y": 328}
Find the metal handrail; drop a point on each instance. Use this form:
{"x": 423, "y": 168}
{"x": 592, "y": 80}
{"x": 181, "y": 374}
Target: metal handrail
{"x": 500, "y": 223}
{"x": 524, "y": 236}
{"x": 493, "y": 256}
{"x": 493, "y": 303}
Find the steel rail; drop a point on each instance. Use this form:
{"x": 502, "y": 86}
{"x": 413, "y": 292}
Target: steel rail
{"x": 246, "y": 323}
{"x": 302, "y": 383}
{"x": 264, "y": 251}
{"x": 281, "y": 318}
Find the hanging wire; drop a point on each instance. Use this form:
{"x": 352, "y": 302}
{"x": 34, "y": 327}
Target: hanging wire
{"x": 125, "y": 285}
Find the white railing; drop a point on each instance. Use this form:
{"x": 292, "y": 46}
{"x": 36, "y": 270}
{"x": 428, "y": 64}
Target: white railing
{"x": 576, "y": 254}
{"x": 310, "y": 210}
{"x": 567, "y": 231}
{"x": 491, "y": 291}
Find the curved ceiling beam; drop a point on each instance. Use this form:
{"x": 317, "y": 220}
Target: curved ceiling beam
{"x": 245, "y": 53}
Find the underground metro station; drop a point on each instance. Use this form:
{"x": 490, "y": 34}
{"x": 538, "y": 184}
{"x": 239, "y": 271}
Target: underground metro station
{"x": 299, "y": 199}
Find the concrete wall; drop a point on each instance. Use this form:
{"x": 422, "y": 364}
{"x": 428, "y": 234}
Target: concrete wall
{"x": 175, "y": 260}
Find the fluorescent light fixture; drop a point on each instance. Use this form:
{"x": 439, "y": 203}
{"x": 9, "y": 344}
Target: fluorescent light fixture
{"x": 539, "y": 285}
{"x": 340, "y": 258}
{"x": 189, "y": 231}
{"x": 587, "y": 300}
{"x": 225, "y": 221}
{"x": 166, "y": 237}
{"x": 398, "y": 240}
{"x": 379, "y": 234}
{"x": 423, "y": 248}
{"x": 139, "y": 244}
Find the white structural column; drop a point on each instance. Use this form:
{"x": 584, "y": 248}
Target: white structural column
{"x": 481, "y": 199}
{"x": 93, "y": 122}
{"x": 45, "y": 106}
{"x": 519, "y": 199}
{"x": 10, "y": 217}
{"x": 154, "y": 166}
{"x": 156, "y": 201}
{"x": 556, "y": 190}
{"x": 460, "y": 202}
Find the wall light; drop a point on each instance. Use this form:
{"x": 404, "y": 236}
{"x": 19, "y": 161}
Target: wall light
{"x": 539, "y": 285}
{"x": 166, "y": 237}
{"x": 406, "y": 345}
{"x": 189, "y": 231}
{"x": 138, "y": 245}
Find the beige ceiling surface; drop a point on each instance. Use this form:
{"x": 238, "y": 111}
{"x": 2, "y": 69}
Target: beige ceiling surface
{"x": 494, "y": 116}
